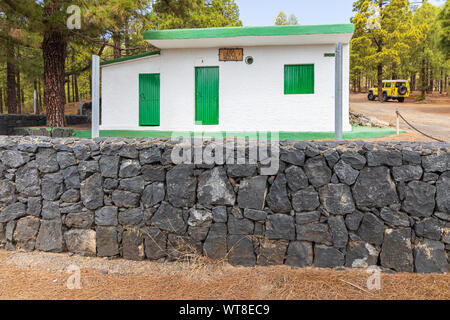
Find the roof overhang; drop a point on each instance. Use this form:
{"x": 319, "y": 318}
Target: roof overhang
{"x": 250, "y": 36}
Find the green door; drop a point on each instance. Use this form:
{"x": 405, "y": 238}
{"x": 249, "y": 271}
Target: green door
{"x": 149, "y": 98}
{"x": 207, "y": 95}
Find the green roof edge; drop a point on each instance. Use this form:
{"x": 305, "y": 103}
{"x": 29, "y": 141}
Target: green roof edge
{"x": 229, "y": 32}
{"x": 137, "y": 56}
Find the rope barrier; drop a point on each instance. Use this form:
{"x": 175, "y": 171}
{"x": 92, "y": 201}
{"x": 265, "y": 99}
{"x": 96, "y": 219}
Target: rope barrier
{"x": 414, "y": 128}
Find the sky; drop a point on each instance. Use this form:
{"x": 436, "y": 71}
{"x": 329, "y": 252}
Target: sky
{"x": 264, "y": 12}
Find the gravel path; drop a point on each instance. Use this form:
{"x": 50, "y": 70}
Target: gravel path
{"x": 431, "y": 117}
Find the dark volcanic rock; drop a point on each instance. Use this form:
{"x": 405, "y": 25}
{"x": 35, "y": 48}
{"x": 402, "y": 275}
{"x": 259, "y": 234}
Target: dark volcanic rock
{"x": 109, "y": 166}
{"x": 339, "y": 232}
{"x": 346, "y": 173}
{"x": 215, "y": 246}
{"x": 337, "y": 199}
{"x": 12, "y": 212}
{"x": 125, "y": 199}
{"x": 361, "y": 255}
{"x": 327, "y": 257}
{"x": 292, "y": 156}
{"x": 271, "y": 252}
{"x": 419, "y": 199}
{"x": 407, "y": 173}
{"x": 317, "y": 171}
{"x": 26, "y": 232}
{"x": 153, "y": 194}
{"x": 443, "y": 192}
{"x": 132, "y": 245}
{"x": 52, "y": 186}
{"x": 374, "y": 188}
{"x": 277, "y": 198}
{"x": 106, "y": 216}
{"x": 215, "y": 189}
{"x": 155, "y": 243}
{"x": 305, "y": 200}
{"x": 299, "y": 254}
{"x": 354, "y": 159}
{"x": 50, "y": 236}
{"x": 107, "y": 241}
{"x": 296, "y": 178}
{"x": 314, "y": 232}
{"x": 396, "y": 252}
{"x": 181, "y": 186}
{"x": 430, "y": 257}
{"x": 252, "y": 193}
{"x": 92, "y": 192}
{"x": 372, "y": 229}
{"x": 382, "y": 157}
{"x": 240, "y": 251}
{"x": 280, "y": 226}
{"x": 430, "y": 228}
{"x": 169, "y": 218}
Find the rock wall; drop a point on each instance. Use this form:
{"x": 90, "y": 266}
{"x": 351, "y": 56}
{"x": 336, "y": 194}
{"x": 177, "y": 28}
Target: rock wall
{"x": 9, "y": 122}
{"x": 352, "y": 204}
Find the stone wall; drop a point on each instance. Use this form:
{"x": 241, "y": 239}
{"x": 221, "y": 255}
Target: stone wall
{"x": 353, "y": 204}
{"x": 9, "y": 122}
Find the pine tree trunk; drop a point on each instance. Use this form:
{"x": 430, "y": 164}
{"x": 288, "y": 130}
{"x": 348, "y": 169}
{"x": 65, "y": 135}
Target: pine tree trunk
{"x": 77, "y": 94}
{"x": 35, "y": 91}
{"x": 41, "y": 107}
{"x": 380, "y": 82}
{"x": 22, "y": 95}
{"x": 424, "y": 79}
{"x": 68, "y": 88}
{"x": 127, "y": 37}
{"x": 18, "y": 91}
{"x": 431, "y": 85}
{"x": 54, "y": 49}
{"x": 1, "y": 100}
{"x": 116, "y": 41}
{"x": 11, "y": 101}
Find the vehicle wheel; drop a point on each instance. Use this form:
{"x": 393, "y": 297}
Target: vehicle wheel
{"x": 401, "y": 99}
{"x": 371, "y": 97}
{"x": 402, "y": 90}
{"x": 385, "y": 97}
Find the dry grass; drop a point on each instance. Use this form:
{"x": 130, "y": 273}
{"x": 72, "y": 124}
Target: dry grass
{"x": 43, "y": 276}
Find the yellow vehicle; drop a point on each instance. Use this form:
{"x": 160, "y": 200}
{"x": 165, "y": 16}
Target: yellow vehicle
{"x": 392, "y": 89}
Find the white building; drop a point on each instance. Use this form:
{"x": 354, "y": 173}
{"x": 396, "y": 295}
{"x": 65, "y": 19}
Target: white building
{"x": 277, "y": 78}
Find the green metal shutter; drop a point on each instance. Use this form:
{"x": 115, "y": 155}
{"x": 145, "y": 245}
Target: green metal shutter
{"x": 299, "y": 79}
{"x": 149, "y": 99}
{"x": 207, "y": 95}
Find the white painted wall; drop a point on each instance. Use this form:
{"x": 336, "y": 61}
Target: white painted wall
{"x": 251, "y": 97}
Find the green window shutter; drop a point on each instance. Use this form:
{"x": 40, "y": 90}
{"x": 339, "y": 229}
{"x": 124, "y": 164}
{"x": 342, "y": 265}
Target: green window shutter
{"x": 299, "y": 79}
{"x": 149, "y": 99}
{"x": 207, "y": 95}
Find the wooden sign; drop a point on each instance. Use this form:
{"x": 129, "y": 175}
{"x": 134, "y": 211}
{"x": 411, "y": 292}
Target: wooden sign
{"x": 231, "y": 54}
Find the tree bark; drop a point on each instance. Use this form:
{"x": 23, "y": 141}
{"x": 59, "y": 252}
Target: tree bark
{"x": 18, "y": 91}
{"x": 41, "y": 107}
{"x": 1, "y": 100}
{"x": 116, "y": 41}
{"x": 54, "y": 50}
{"x": 380, "y": 82}
{"x": 77, "y": 94}
{"x": 68, "y": 89}
{"x": 11, "y": 101}
{"x": 22, "y": 96}
{"x": 424, "y": 79}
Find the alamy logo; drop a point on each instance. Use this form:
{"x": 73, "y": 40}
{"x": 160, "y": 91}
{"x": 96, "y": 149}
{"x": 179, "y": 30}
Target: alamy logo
{"x": 262, "y": 147}
{"x": 74, "y": 280}
{"x": 374, "y": 17}
{"x": 74, "y": 20}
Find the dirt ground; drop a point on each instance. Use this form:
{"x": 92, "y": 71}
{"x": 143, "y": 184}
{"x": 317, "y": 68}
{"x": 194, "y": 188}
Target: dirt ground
{"x": 44, "y": 276}
{"x": 431, "y": 116}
